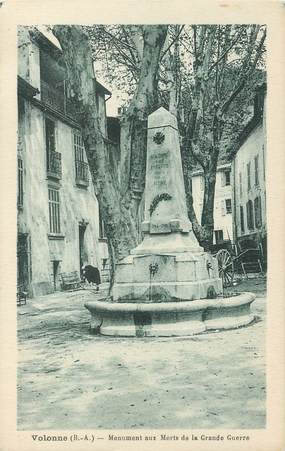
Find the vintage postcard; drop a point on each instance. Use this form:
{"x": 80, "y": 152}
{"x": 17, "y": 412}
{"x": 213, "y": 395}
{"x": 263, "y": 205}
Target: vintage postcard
{"x": 142, "y": 218}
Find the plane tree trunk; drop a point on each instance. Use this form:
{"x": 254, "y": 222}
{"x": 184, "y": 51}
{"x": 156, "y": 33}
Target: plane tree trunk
{"x": 118, "y": 197}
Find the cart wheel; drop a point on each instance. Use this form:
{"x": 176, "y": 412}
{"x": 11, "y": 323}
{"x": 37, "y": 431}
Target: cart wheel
{"x": 225, "y": 266}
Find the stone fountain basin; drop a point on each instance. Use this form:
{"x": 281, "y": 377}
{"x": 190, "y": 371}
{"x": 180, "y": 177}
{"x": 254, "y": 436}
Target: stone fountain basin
{"x": 170, "y": 318}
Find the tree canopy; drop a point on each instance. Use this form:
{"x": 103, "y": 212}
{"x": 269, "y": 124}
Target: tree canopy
{"x": 207, "y": 77}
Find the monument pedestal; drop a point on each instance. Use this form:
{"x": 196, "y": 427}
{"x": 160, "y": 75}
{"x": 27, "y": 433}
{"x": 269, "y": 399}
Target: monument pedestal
{"x": 166, "y": 277}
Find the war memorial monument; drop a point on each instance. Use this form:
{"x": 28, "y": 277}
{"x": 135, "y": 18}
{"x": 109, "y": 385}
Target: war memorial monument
{"x": 168, "y": 285}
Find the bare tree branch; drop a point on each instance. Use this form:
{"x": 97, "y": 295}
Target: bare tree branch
{"x": 172, "y": 42}
{"x": 243, "y": 80}
{"x": 222, "y": 56}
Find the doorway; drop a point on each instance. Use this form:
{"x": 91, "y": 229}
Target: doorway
{"x": 23, "y": 262}
{"x": 82, "y": 253}
{"x": 55, "y": 274}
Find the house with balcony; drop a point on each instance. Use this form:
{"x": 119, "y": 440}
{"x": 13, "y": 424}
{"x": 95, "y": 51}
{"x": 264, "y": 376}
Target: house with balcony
{"x": 59, "y": 226}
{"x": 223, "y": 230}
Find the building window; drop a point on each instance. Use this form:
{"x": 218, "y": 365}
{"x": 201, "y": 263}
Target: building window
{"x": 227, "y": 178}
{"x": 81, "y": 166}
{"x": 240, "y": 185}
{"x": 54, "y": 210}
{"x": 263, "y": 153}
{"x": 219, "y": 236}
{"x": 257, "y": 212}
{"x": 256, "y": 169}
{"x": 249, "y": 213}
{"x": 228, "y": 206}
{"x": 241, "y": 219}
{"x": 248, "y": 177}
{"x": 53, "y": 157}
{"x": 20, "y": 182}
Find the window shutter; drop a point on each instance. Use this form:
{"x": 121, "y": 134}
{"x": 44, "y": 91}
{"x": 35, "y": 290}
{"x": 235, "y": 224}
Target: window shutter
{"x": 248, "y": 177}
{"x": 241, "y": 219}
{"x": 240, "y": 185}
{"x": 256, "y": 170}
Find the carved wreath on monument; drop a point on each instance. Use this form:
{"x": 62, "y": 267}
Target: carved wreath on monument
{"x": 157, "y": 199}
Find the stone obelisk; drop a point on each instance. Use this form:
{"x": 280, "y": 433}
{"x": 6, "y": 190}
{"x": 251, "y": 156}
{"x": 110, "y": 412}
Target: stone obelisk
{"x": 166, "y": 226}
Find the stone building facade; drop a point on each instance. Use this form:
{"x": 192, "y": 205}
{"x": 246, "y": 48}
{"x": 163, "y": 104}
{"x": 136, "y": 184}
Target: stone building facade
{"x": 223, "y": 229}
{"x": 58, "y": 214}
{"x": 249, "y": 177}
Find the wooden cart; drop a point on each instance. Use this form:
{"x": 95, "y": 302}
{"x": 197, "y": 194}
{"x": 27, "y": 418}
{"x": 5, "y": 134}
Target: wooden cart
{"x": 243, "y": 257}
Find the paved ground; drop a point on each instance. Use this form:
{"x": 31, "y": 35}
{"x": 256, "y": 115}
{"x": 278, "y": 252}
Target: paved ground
{"x": 69, "y": 379}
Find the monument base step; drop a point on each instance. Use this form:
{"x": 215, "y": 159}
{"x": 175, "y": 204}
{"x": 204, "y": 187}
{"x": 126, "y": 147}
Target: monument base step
{"x": 170, "y": 318}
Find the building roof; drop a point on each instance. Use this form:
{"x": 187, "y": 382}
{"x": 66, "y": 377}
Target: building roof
{"x": 45, "y": 43}
{"x": 254, "y": 122}
{"x": 25, "y": 89}
{"x": 56, "y": 52}
{"x": 100, "y": 88}
{"x": 221, "y": 167}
